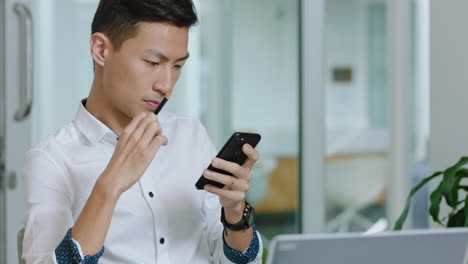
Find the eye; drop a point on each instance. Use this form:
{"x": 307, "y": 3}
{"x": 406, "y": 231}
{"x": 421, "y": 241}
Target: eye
{"x": 152, "y": 63}
{"x": 179, "y": 67}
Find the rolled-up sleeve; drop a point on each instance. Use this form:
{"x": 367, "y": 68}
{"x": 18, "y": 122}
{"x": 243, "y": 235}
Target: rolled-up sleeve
{"x": 69, "y": 251}
{"x": 212, "y": 210}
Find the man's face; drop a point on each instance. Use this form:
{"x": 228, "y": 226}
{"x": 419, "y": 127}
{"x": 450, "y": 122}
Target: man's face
{"x": 145, "y": 69}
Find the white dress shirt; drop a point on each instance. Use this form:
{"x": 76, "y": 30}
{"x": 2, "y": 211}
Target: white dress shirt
{"x": 163, "y": 218}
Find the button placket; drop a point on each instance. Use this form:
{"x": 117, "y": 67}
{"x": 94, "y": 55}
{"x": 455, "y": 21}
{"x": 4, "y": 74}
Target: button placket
{"x": 152, "y": 198}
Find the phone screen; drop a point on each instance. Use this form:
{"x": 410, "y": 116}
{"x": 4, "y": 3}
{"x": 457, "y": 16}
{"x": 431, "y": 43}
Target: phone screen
{"x": 231, "y": 151}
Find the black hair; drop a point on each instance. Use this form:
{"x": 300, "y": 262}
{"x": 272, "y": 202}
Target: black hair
{"x": 119, "y": 19}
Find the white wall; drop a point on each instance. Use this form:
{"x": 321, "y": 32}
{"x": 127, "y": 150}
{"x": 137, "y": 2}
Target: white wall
{"x": 345, "y": 44}
{"x": 347, "y": 103}
{"x": 449, "y": 80}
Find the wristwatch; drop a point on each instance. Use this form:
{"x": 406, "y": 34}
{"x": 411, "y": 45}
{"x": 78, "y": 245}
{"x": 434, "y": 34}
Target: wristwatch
{"x": 246, "y": 222}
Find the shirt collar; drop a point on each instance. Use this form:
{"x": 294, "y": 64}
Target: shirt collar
{"x": 93, "y": 129}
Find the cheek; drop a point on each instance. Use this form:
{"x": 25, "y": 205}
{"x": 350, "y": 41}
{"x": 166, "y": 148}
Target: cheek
{"x": 115, "y": 82}
{"x": 144, "y": 77}
{"x": 176, "y": 77}
{"x": 123, "y": 79}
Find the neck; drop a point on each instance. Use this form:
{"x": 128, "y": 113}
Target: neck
{"x": 103, "y": 110}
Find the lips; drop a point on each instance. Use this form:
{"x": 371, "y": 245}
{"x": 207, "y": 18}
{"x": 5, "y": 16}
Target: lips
{"x": 151, "y": 103}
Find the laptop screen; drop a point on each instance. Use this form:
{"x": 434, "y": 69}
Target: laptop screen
{"x": 414, "y": 246}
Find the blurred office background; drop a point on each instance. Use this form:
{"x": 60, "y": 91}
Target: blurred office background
{"x": 338, "y": 89}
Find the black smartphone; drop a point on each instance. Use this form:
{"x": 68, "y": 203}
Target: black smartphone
{"x": 231, "y": 151}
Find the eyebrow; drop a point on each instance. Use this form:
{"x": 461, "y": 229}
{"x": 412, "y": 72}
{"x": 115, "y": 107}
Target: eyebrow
{"x": 158, "y": 53}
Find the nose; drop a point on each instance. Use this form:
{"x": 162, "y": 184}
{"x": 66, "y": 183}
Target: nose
{"x": 164, "y": 81}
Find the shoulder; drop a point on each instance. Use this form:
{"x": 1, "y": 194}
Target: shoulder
{"x": 185, "y": 132}
{"x": 169, "y": 118}
{"x": 178, "y": 124}
{"x": 54, "y": 145}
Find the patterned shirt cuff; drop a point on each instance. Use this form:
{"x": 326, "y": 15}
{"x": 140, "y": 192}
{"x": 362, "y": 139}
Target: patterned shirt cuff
{"x": 243, "y": 257}
{"x": 68, "y": 253}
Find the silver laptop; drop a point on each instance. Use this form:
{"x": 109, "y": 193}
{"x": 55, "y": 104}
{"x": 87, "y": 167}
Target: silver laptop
{"x": 447, "y": 246}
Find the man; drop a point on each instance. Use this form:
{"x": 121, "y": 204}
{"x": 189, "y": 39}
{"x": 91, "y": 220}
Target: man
{"x": 116, "y": 185}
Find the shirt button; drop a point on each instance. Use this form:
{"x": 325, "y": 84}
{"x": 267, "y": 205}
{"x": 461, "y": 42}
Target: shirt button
{"x": 151, "y": 194}
{"x": 161, "y": 241}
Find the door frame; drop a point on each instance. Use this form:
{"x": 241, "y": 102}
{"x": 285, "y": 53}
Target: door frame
{"x": 312, "y": 117}
{"x": 2, "y": 135}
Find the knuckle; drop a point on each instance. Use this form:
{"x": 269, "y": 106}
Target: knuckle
{"x": 139, "y": 152}
{"x": 256, "y": 156}
{"x": 140, "y": 147}
{"x": 133, "y": 140}
{"x": 243, "y": 171}
{"x": 249, "y": 176}
{"x": 145, "y": 157}
{"x": 242, "y": 196}
{"x": 156, "y": 120}
{"x": 238, "y": 169}
{"x": 153, "y": 126}
{"x": 161, "y": 140}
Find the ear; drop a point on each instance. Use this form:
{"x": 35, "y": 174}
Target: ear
{"x": 100, "y": 47}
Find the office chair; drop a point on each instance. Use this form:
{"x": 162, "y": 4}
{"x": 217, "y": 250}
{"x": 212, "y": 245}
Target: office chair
{"x": 354, "y": 182}
{"x": 19, "y": 240}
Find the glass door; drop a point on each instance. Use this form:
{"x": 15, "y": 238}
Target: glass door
{"x": 253, "y": 64}
{"x": 17, "y": 84}
{"x": 376, "y": 112}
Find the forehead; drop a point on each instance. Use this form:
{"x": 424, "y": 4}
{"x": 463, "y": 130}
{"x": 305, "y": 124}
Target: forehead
{"x": 170, "y": 39}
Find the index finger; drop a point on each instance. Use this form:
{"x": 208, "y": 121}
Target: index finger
{"x": 252, "y": 156}
{"x": 127, "y": 131}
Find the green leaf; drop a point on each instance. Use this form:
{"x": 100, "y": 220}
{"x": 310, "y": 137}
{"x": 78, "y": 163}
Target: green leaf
{"x": 454, "y": 190}
{"x": 445, "y": 189}
{"x": 401, "y": 220}
{"x": 463, "y": 187}
{"x": 457, "y": 220}
{"x": 450, "y": 179}
{"x": 434, "y": 207}
{"x": 466, "y": 211}
{"x": 265, "y": 255}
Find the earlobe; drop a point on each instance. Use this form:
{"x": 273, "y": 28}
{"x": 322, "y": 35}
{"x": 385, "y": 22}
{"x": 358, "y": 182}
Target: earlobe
{"x": 99, "y": 48}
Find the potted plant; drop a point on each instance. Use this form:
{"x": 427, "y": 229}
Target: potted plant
{"x": 450, "y": 189}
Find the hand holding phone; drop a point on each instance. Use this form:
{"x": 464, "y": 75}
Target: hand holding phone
{"x": 231, "y": 151}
